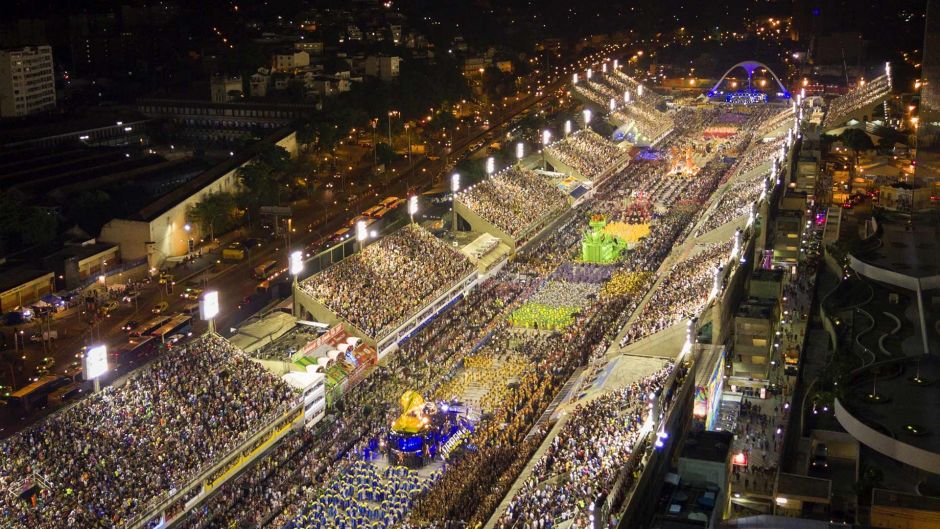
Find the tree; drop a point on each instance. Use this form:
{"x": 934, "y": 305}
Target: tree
{"x": 385, "y": 153}
{"x": 39, "y": 228}
{"x": 857, "y": 140}
{"x": 215, "y": 210}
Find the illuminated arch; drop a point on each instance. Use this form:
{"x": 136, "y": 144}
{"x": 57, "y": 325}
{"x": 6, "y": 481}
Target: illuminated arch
{"x": 749, "y": 67}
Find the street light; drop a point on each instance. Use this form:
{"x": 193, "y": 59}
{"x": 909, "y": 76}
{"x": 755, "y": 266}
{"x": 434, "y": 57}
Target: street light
{"x": 454, "y": 187}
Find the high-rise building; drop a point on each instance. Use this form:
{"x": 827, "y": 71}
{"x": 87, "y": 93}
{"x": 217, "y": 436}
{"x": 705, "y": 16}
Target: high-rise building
{"x": 27, "y": 82}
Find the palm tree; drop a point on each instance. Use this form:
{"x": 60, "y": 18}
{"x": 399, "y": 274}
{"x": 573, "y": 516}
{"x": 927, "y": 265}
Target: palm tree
{"x": 857, "y": 140}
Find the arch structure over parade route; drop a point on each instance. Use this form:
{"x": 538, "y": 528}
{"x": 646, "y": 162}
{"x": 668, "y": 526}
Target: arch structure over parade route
{"x": 749, "y": 67}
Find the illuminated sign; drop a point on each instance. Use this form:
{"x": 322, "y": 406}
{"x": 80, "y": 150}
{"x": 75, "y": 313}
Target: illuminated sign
{"x": 209, "y": 305}
{"x": 95, "y": 362}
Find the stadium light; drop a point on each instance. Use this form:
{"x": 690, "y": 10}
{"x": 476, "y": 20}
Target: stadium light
{"x": 209, "y": 308}
{"x": 574, "y": 78}
{"x": 454, "y": 187}
{"x": 587, "y": 116}
{"x": 626, "y": 96}
{"x": 567, "y": 127}
{"x": 490, "y": 166}
{"x": 361, "y": 232}
{"x": 604, "y": 68}
{"x": 616, "y": 64}
{"x": 590, "y": 72}
{"x": 546, "y": 137}
{"x": 613, "y": 104}
{"x": 296, "y": 263}
{"x": 95, "y": 364}
{"x": 412, "y": 207}
{"x": 520, "y": 151}
{"x": 639, "y": 91}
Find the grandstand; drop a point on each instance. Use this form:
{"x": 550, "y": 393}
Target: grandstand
{"x": 860, "y": 102}
{"x": 513, "y": 204}
{"x": 143, "y": 452}
{"x": 585, "y": 154}
{"x": 384, "y": 291}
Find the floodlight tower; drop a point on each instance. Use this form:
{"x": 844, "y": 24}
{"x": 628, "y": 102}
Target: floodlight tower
{"x": 454, "y": 187}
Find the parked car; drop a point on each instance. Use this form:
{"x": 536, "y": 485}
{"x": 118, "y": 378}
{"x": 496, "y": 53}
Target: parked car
{"x": 160, "y": 308}
{"x": 109, "y": 306}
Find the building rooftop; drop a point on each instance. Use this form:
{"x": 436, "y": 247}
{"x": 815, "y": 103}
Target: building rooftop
{"x": 756, "y": 308}
{"x": 79, "y": 251}
{"x": 12, "y": 276}
{"x": 707, "y": 446}
{"x": 764, "y": 274}
{"x": 799, "y": 486}
{"x": 903, "y": 404}
{"x": 905, "y": 501}
{"x": 690, "y": 502}
{"x": 910, "y": 250}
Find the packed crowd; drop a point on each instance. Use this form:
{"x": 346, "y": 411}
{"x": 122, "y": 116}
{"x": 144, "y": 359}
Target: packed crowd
{"x": 682, "y": 293}
{"x": 514, "y": 199}
{"x": 585, "y": 458}
{"x": 379, "y": 287}
{"x": 104, "y": 461}
{"x": 651, "y": 124}
{"x": 867, "y": 94}
{"x": 737, "y": 201}
{"x": 586, "y": 152}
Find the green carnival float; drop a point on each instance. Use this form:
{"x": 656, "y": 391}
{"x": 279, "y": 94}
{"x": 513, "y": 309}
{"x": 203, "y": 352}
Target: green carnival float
{"x": 598, "y": 246}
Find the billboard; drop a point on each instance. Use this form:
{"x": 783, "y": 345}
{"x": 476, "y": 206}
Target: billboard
{"x": 95, "y": 362}
{"x": 708, "y": 397}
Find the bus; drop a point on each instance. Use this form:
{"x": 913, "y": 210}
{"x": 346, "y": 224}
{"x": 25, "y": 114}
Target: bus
{"x": 264, "y": 270}
{"x": 136, "y": 347}
{"x": 148, "y": 327}
{"x": 179, "y": 324}
{"x": 234, "y": 252}
{"x": 65, "y": 393}
{"x": 36, "y": 394}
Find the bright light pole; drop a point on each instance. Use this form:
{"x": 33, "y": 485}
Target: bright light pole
{"x": 95, "y": 364}
{"x": 361, "y": 234}
{"x": 613, "y": 104}
{"x": 520, "y": 152}
{"x": 546, "y": 138}
{"x": 454, "y": 187}
{"x": 296, "y": 267}
{"x": 408, "y": 133}
{"x": 209, "y": 308}
{"x": 567, "y": 127}
{"x": 626, "y": 96}
{"x": 587, "y": 117}
{"x": 490, "y": 166}
{"x": 413, "y": 207}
